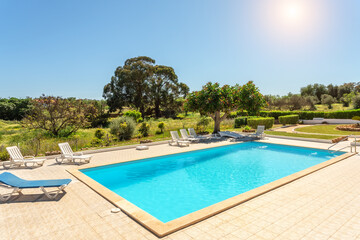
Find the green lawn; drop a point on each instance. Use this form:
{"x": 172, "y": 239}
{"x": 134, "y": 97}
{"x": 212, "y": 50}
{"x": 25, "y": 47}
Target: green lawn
{"x": 335, "y": 107}
{"x": 316, "y": 136}
{"x": 12, "y": 133}
{"x": 325, "y": 129}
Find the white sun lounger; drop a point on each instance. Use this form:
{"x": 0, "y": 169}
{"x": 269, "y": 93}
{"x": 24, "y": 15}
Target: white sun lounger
{"x": 68, "y": 154}
{"x": 177, "y": 140}
{"x": 193, "y": 134}
{"x": 17, "y": 159}
{"x": 231, "y": 134}
{"x": 259, "y": 132}
{"x": 186, "y": 136}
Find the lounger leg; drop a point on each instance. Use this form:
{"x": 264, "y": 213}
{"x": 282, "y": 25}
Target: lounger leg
{"x": 59, "y": 160}
{"x": 53, "y": 194}
{"x": 33, "y": 164}
{"x": 7, "y": 165}
{"x": 7, "y": 196}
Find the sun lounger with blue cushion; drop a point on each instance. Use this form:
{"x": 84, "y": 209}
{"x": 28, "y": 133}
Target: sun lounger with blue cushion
{"x": 10, "y": 181}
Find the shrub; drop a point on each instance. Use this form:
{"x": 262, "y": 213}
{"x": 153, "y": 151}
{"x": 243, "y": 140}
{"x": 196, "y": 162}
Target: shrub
{"x": 123, "y": 128}
{"x": 99, "y": 133}
{"x": 241, "y": 121}
{"x": 144, "y": 129}
{"x": 357, "y": 118}
{"x": 139, "y": 120}
{"x": 267, "y": 122}
{"x": 203, "y": 123}
{"x": 161, "y": 125}
{"x": 4, "y": 155}
{"x": 180, "y": 116}
{"x": 289, "y": 119}
{"x": 247, "y": 128}
{"x": 136, "y": 115}
{"x": 96, "y": 142}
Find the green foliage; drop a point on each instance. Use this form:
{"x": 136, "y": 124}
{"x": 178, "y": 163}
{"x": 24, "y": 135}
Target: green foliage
{"x": 356, "y": 102}
{"x": 58, "y": 116}
{"x": 213, "y": 99}
{"x": 250, "y": 98}
{"x": 135, "y": 115}
{"x": 267, "y": 122}
{"x": 14, "y": 108}
{"x": 161, "y": 126}
{"x": 327, "y": 100}
{"x": 97, "y": 115}
{"x": 247, "y": 128}
{"x": 142, "y": 85}
{"x": 357, "y": 118}
{"x": 203, "y": 123}
{"x": 289, "y": 119}
{"x": 180, "y": 116}
{"x": 144, "y": 129}
{"x": 4, "y": 155}
{"x": 99, "y": 133}
{"x": 241, "y": 121}
{"x": 233, "y": 115}
{"x": 123, "y": 128}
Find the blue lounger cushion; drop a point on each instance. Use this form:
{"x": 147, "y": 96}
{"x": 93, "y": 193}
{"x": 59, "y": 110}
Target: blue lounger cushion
{"x": 14, "y": 181}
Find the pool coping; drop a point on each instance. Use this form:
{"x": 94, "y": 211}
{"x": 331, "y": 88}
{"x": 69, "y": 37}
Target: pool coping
{"x": 161, "y": 229}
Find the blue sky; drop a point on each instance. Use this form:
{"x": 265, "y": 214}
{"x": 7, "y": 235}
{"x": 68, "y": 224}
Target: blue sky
{"x": 72, "y": 47}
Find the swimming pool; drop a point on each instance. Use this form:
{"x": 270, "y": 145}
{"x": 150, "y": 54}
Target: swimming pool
{"x": 172, "y": 186}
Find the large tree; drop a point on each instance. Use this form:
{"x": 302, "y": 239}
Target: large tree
{"x": 218, "y": 102}
{"x": 144, "y": 86}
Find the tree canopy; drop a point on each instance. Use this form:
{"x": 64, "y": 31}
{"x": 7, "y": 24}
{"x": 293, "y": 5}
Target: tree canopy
{"x": 144, "y": 86}
{"x": 213, "y": 100}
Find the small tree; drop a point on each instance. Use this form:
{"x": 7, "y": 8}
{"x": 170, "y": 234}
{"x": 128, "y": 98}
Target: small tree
{"x": 161, "y": 126}
{"x": 356, "y": 102}
{"x": 57, "y": 115}
{"x": 327, "y": 100}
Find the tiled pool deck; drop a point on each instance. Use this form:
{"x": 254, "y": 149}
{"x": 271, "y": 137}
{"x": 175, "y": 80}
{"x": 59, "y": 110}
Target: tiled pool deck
{"x": 322, "y": 205}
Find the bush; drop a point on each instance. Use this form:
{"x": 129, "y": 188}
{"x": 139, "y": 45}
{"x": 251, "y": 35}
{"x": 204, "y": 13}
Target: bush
{"x": 123, "y": 128}
{"x": 161, "y": 125}
{"x": 289, "y": 119}
{"x": 357, "y": 118}
{"x": 202, "y": 124}
{"x": 136, "y": 115}
{"x": 144, "y": 129}
{"x": 180, "y": 116}
{"x": 267, "y": 122}
{"x": 241, "y": 121}
{"x": 4, "y": 155}
{"x": 99, "y": 133}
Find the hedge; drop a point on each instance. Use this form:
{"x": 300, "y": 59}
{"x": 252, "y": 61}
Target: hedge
{"x": 242, "y": 121}
{"x": 254, "y": 122}
{"x": 289, "y": 119}
{"x": 309, "y": 115}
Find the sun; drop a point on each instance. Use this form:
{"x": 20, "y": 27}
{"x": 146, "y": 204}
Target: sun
{"x": 293, "y": 11}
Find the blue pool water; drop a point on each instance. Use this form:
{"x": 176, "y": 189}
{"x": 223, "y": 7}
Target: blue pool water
{"x": 172, "y": 186}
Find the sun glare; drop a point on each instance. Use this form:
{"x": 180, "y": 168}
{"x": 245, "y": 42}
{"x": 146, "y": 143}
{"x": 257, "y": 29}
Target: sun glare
{"x": 293, "y": 11}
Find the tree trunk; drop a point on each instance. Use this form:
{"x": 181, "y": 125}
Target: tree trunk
{"x": 157, "y": 109}
{"x": 218, "y": 120}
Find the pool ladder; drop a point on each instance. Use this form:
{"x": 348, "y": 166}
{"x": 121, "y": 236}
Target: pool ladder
{"x": 344, "y": 139}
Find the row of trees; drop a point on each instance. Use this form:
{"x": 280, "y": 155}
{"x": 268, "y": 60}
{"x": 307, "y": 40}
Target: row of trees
{"x": 316, "y": 94}
{"x": 14, "y": 108}
{"x": 152, "y": 89}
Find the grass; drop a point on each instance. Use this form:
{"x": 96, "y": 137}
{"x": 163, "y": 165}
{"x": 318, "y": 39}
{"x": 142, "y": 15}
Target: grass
{"x": 316, "y": 136}
{"x": 335, "y": 107}
{"x": 325, "y": 129}
{"x": 12, "y": 133}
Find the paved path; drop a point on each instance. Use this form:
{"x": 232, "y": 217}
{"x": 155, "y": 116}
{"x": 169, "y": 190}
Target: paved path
{"x": 322, "y": 205}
